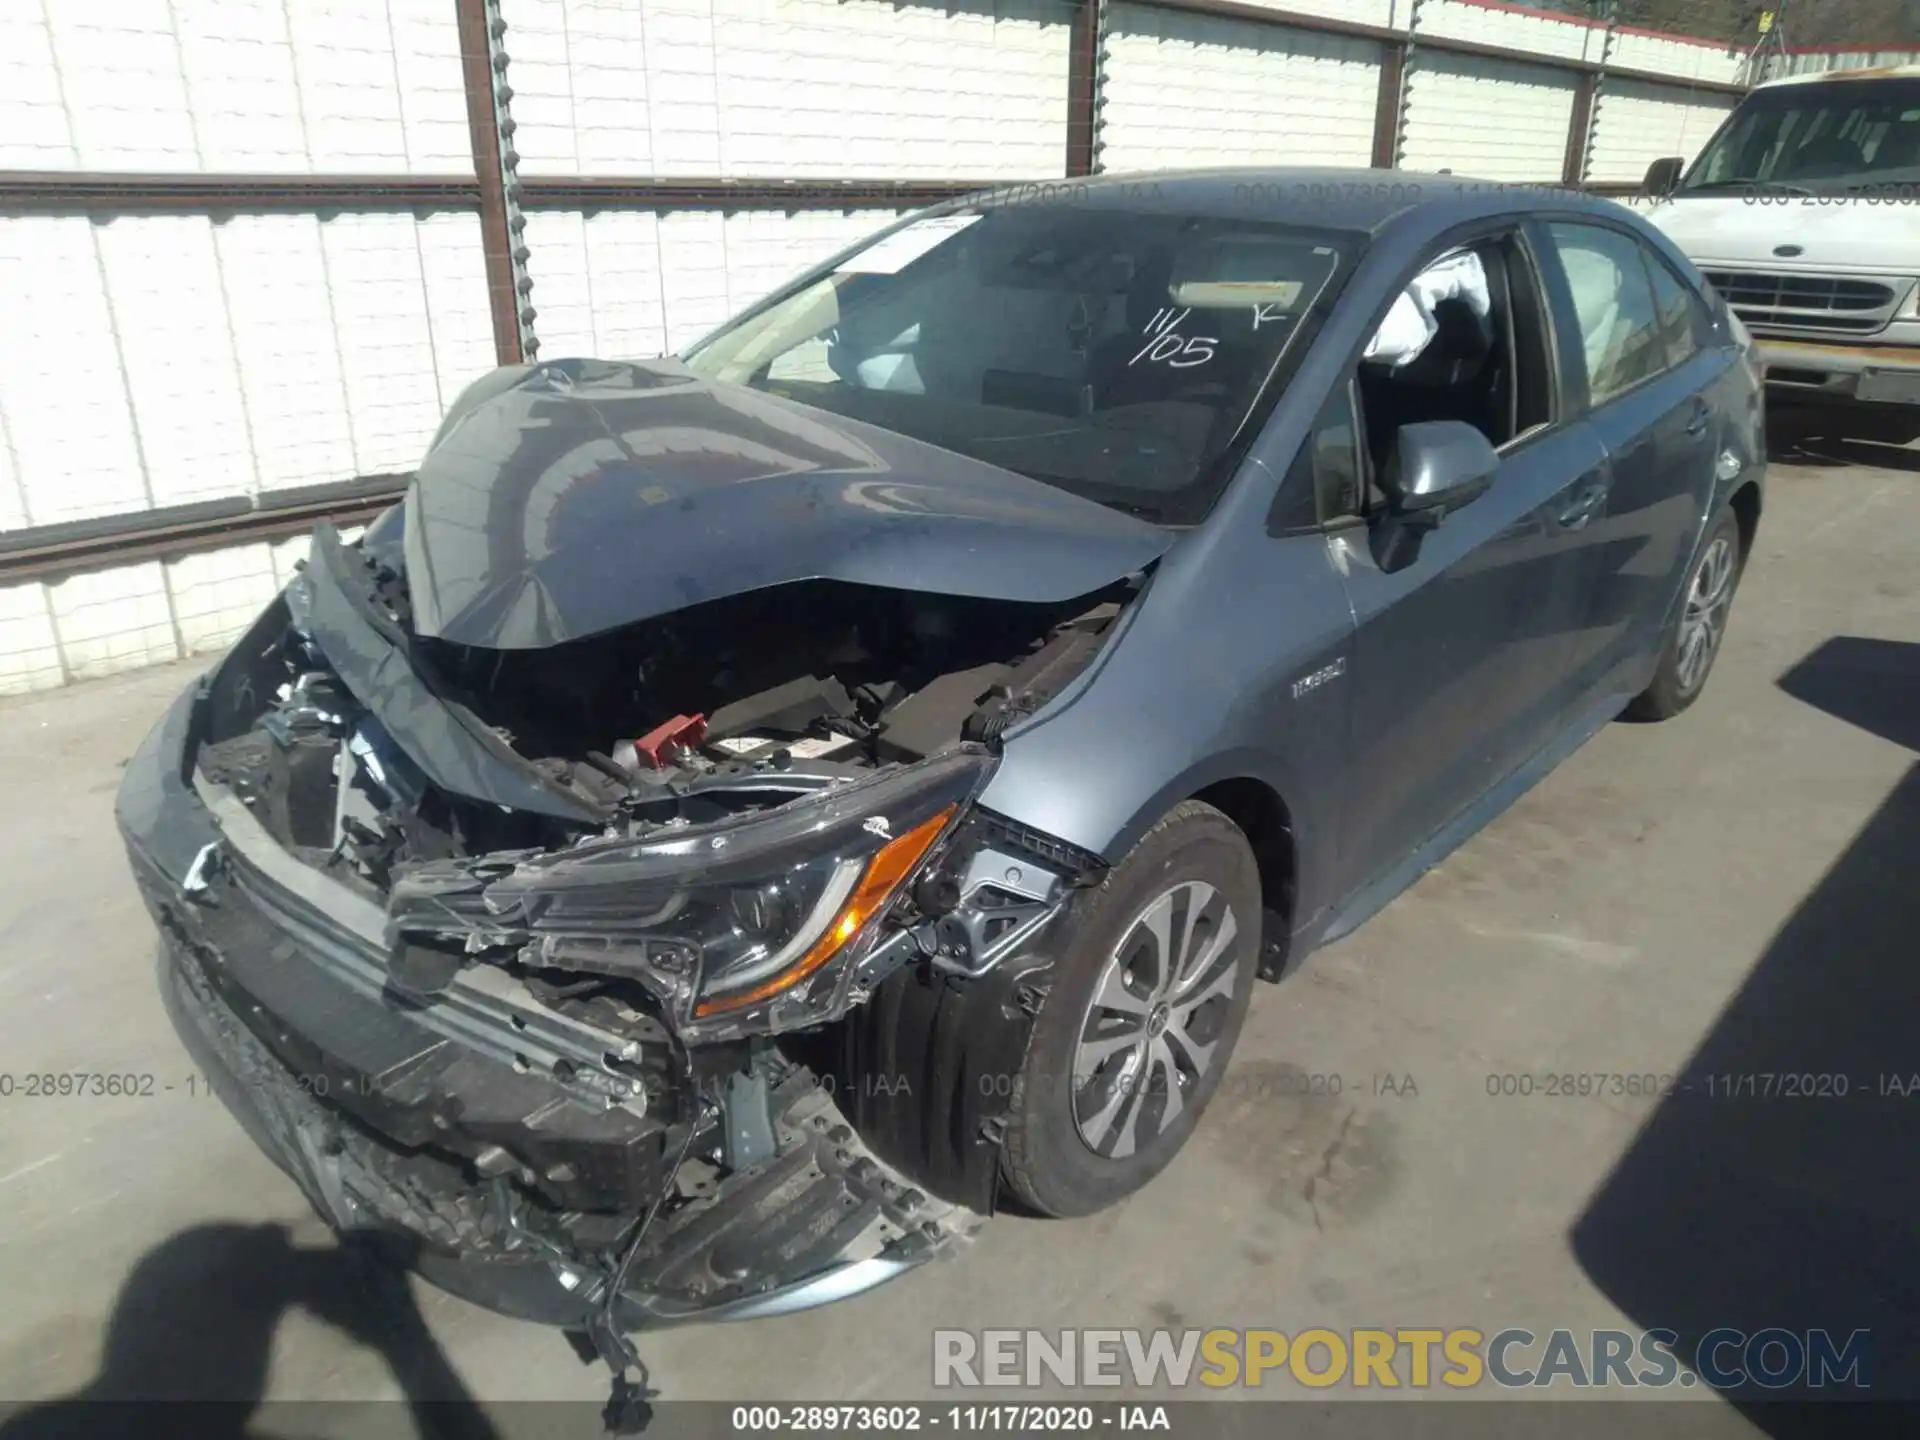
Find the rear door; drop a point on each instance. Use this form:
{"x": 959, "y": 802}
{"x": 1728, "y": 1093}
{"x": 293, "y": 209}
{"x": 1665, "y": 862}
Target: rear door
{"x": 1645, "y": 346}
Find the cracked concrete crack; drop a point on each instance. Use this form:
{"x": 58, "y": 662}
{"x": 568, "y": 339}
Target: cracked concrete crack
{"x": 1325, "y": 1172}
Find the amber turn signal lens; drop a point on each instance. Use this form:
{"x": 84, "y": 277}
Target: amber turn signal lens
{"x": 890, "y": 865}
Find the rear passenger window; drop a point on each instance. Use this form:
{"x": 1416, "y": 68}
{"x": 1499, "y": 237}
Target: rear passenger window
{"x": 1679, "y": 315}
{"x": 1613, "y": 298}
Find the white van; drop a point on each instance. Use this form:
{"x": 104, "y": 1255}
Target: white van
{"x": 1804, "y": 213}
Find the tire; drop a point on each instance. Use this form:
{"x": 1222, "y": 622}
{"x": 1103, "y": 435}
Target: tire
{"x": 1683, "y": 669}
{"x": 1116, "y": 1089}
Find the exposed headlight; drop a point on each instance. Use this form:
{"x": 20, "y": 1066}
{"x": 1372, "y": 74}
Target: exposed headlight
{"x": 752, "y": 923}
{"x": 1910, "y": 310}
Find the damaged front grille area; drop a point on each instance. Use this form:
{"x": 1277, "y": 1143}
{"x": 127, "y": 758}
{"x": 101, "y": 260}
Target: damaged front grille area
{"x": 808, "y": 1217}
{"x": 573, "y": 1048}
{"x": 341, "y": 935}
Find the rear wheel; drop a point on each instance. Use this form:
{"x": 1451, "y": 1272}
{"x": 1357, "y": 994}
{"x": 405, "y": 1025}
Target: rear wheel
{"x": 1695, "y": 643}
{"x": 1147, "y": 1004}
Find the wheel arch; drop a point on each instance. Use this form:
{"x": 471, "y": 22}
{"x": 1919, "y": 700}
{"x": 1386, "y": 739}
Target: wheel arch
{"x": 1746, "y": 503}
{"x": 1251, "y": 789}
{"x": 1262, "y": 815}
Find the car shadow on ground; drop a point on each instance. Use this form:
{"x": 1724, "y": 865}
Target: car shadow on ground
{"x": 1812, "y": 437}
{"x": 1758, "y": 1195}
{"x": 193, "y": 1328}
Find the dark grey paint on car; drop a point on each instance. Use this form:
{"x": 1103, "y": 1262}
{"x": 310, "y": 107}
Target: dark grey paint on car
{"x": 1374, "y": 673}
{"x": 575, "y": 496}
{"x": 1511, "y": 630}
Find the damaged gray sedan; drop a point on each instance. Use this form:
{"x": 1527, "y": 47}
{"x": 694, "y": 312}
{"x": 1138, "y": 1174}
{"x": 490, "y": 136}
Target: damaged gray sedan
{"x": 745, "y": 814}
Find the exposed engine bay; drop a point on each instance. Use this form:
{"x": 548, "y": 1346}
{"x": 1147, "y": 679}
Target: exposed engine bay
{"x": 830, "y": 735}
{"x": 725, "y": 709}
{"x": 583, "y": 880}
{"x": 649, "y": 877}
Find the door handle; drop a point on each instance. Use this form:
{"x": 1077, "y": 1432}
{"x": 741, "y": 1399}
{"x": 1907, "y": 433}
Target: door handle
{"x": 1585, "y": 503}
{"x": 1698, "y": 420}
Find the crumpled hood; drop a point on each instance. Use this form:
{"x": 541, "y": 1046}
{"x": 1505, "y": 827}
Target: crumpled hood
{"x": 565, "y": 499}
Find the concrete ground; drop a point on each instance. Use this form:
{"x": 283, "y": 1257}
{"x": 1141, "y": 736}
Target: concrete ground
{"x": 1739, "y": 884}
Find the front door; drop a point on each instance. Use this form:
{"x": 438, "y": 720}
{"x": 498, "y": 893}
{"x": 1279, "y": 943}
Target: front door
{"x": 1463, "y": 657}
{"x": 1458, "y": 658}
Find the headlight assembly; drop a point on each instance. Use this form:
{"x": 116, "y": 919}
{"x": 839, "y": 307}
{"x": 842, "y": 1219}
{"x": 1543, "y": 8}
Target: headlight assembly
{"x": 754, "y": 923}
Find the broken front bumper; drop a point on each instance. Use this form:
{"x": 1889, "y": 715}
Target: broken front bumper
{"x": 508, "y": 1149}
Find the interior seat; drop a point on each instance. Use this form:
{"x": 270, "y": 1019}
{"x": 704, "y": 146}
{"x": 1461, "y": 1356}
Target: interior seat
{"x": 1454, "y": 378}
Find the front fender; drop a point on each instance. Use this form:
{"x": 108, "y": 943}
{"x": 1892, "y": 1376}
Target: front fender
{"x": 1199, "y": 689}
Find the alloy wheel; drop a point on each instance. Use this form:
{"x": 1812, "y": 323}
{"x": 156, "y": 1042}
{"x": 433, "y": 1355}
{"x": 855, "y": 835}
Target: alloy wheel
{"x": 1704, "y": 622}
{"x": 1153, "y": 1026}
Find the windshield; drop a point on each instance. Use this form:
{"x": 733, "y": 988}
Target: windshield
{"x": 1115, "y": 354}
{"x": 1818, "y": 138}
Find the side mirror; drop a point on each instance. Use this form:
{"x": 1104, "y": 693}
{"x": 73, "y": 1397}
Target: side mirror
{"x": 1436, "y": 467}
{"x": 1663, "y": 176}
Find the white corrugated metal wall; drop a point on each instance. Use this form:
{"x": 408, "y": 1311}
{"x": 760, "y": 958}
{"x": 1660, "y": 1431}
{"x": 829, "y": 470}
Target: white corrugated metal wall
{"x": 153, "y": 359}
{"x": 1183, "y": 90}
{"x": 851, "y": 89}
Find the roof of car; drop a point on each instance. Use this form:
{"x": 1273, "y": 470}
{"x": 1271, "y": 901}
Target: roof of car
{"x": 1868, "y": 72}
{"x": 1324, "y": 197}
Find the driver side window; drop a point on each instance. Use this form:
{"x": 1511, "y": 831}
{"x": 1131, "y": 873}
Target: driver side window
{"x": 1468, "y": 341}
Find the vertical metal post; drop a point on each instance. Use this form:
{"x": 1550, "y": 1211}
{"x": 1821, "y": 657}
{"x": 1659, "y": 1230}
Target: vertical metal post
{"x": 483, "y": 64}
{"x": 1403, "y": 88}
{"x": 1386, "y": 105}
{"x": 1103, "y": 16}
{"x": 1083, "y": 84}
{"x": 1586, "y": 106}
{"x": 1573, "y": 169}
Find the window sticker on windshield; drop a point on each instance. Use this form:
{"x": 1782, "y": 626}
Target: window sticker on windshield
{"x": 1227, "y": 294}
{"x": 895, "y": 252}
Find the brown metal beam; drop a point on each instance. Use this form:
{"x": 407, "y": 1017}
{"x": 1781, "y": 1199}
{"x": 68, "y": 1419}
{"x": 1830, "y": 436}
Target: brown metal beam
{"x": 1386, "y": 106}
{"x": 47, "y": 552}
{"x": 483, "y": 136}
{"x": 1573, "y": 167}
{"x": 1083, "y": 79}
{"x": 1445, "y": 44}
{"x": 71, "y": 192}
{"x": 82, "y": 192}
{"x": 588, "y": 192}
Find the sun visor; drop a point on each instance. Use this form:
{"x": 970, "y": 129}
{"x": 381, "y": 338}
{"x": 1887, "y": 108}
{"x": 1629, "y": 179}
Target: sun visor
{"x": 1253, "y": 272}
{"x": 1410, "y": 325}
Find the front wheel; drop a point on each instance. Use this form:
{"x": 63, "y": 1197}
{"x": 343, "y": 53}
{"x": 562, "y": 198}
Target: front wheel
{"x": 1149, "y": 997}
{"x": 1695, "y": 642}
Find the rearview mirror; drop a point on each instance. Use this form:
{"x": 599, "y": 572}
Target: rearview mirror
{"x": 1436, "y": 467}
{"x": 1663, "y": 176}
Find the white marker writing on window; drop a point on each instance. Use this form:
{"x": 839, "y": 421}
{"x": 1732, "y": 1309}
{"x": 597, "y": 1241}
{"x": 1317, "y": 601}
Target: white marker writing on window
{"x": 1167, "y": 346}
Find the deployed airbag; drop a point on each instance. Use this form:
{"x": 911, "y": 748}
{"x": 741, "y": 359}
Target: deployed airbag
{"x": 1410, "y": 325}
